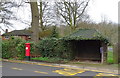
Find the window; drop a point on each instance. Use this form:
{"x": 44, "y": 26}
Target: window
{"x": 29, "y": 37}
{"x": 6, "y": 37}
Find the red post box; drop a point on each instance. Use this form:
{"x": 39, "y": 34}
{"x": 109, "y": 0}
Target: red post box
{"x": 27, "y": 53}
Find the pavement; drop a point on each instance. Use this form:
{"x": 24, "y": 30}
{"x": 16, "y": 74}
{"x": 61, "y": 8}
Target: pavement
{"x": 28, "y": 68}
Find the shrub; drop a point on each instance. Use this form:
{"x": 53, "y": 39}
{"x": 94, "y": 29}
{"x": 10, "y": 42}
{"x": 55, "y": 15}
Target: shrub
{"x": 46, "y": 47}
{"x": 8, "y": 48}
{"x": 0, "y": 47}
{"x": 21, "y": 49}
{"x": 54, "y": 33}
{"x": 63, "y": 49}
{"x": 5, "y": 50}
{"x": 15, "y": 48}
{"x": 53, "y": 47}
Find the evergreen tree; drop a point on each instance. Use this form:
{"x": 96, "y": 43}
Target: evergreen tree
{"x": 54, "y": 32}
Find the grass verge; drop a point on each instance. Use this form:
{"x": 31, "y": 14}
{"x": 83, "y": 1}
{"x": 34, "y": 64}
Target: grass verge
{"x": 53, "y": 60}
{"x": 59, "y": 60}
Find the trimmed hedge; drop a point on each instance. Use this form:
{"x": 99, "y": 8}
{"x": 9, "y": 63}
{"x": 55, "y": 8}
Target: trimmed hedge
{"x": 53, "y": 47}
{"x": 15, "y": 48}
{"x": 8, "y": 48}
{"x": 21, "y": 49}
{"x": 46, "y": 47}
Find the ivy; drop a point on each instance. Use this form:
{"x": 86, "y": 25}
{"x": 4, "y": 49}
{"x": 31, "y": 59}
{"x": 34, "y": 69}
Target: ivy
{"x": 82, "y": 34}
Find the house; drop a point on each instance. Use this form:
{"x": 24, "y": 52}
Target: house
{"x": 23, "y": 34}
{"x": 88, "y": 44}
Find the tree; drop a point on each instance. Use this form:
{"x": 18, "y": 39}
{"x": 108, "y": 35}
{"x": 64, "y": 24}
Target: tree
{"x": 45, "y": 14}
{"x": 35, "y": 21}
{"x": 42, "y": 11}
{"x": 54, "y": 33}
{"x": 71, "y": 13}
{"x": 6, "y": 14}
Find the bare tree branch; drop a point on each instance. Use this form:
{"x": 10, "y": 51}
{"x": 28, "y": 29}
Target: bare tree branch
{"x": 71, "y": 12}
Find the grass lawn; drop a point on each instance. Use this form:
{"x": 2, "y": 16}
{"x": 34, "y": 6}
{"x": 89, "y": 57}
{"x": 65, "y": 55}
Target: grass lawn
{"x": 110, "y": 57}
{"x": 0, "y": 59}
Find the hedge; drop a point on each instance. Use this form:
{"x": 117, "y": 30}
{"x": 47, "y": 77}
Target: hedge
{"x": 8, "y": 48}
{"x": 15, "y": 48}
{"x": 21, "y": 49}
{"x": 53, "y": 47}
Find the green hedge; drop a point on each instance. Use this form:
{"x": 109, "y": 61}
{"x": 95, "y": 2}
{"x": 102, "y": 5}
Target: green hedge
{"x": 0, "y": 47}
{"x": 15, "y": 48}
{"x": 21, "y": 49}
{"x": 8, "y": 48}
{"x": 53, "y": 47}
{"x": 46, "y": 47}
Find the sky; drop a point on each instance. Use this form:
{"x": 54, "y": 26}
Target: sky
{"x": 98, "y": 10}
{"x": 107, "y": 9}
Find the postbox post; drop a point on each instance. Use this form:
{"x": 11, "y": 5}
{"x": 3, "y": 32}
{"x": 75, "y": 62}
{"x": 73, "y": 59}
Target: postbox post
{"x": 27, "y": 49}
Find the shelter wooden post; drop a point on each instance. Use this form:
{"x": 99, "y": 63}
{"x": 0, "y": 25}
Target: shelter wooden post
{"x": 115, "y": 53}
{"x": 104, "y": 53}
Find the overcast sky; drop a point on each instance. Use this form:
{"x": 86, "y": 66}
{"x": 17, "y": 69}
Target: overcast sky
{"x": 104, "y": 8}
{"x": 98, "y": 9}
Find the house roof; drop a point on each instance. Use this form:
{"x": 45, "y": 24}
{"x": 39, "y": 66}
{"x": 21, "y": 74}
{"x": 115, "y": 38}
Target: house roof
{"x": 85, "y": 34}
{"x": 18, "y": 33}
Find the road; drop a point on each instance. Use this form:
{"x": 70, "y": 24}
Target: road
{"x": 20, "y": 69}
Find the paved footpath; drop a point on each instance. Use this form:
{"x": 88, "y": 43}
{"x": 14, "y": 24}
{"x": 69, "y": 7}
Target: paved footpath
{"x": 24, "y": 69}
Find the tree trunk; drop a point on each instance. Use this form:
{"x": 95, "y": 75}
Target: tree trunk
{"x": 41, "y": 15}
{"x": 35, "y": 21}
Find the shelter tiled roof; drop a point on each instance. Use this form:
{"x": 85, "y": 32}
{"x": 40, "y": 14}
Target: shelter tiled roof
{"x": 85, "y": 34}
